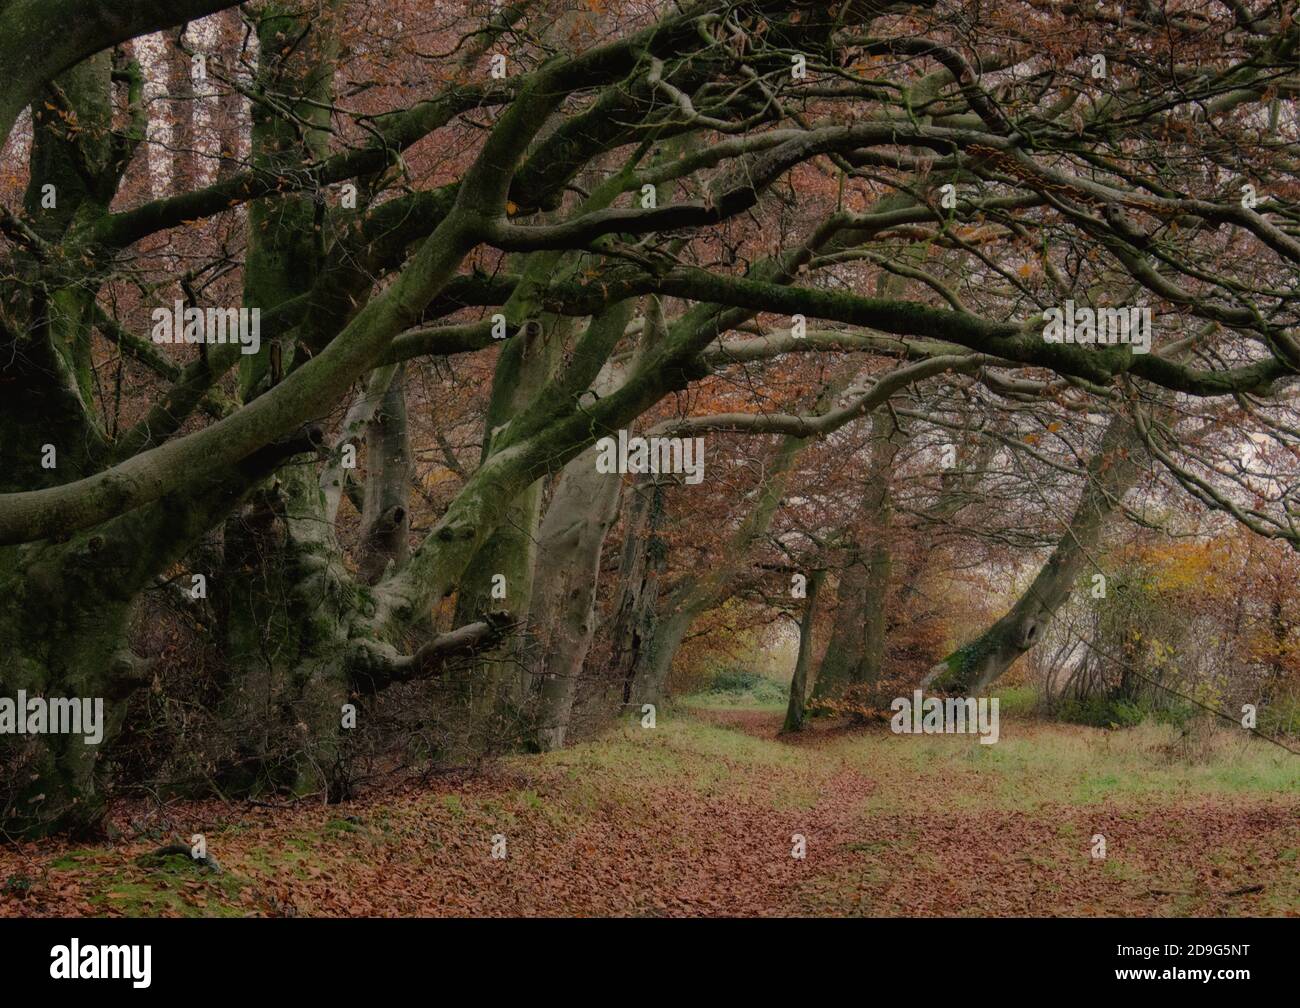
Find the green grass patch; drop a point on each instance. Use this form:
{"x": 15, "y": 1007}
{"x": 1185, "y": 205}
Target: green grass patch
{"x": 741, "y": 689}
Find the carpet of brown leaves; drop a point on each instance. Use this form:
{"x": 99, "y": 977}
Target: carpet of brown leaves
{"x": 696, "y": 818}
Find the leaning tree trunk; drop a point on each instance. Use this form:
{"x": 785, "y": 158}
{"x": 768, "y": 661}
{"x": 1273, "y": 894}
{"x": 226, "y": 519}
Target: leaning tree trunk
{"x": 1111, "y": 473}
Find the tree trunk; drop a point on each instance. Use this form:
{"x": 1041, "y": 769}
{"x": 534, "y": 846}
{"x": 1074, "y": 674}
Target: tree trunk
{"x": 875, "y": 601}
{"x": 845, "y": 646}
{"x": 65, "y": 639}
{"x": 65, "y": 636}
{"x": 496, "y": 688}
{"x": 572, "y": 536}
{"x": 282, "y": 595}
{"x": 284, "y": 603}
{"x": 856, "y": 650}
{"x": 636, "y": 611}
{"x": 491, "y": 691}
{"x": 1111, "y": 474}
{"x": 385, "y": 516}
{"x": 649, "y": 683}
{"x": 794, "y": 712}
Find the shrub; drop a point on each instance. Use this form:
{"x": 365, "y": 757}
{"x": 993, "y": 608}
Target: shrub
{"x": 741, "y": 683}
{"x": 1100, "y": 712}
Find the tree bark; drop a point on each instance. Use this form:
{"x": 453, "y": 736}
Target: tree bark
{"x": 1111, "y": 473}
{"x": 39, "y": 39}
{"x": 856, "y": 650}
{"x": 636, "y": 611}
{"x": 794, "y": 713}
{"x": 385, "y": 515}
{"x": 283, "y": 596}
{"x": 583, "y": 507}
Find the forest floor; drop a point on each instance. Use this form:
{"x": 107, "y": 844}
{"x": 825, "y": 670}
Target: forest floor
{"x": 698, "y": 816}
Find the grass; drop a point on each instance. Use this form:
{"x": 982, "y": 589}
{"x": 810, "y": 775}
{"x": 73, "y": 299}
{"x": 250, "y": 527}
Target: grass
{"x": 1034, "y": 764}
{"x": 741, "y": 690}
{"x": 695, "y": 815}
{"x": 1016, "y": 701}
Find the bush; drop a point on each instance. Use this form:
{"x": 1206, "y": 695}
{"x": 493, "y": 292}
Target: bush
{"x": 1178, "y": 713}
{"x": 1100, "y": 712}
{"x": 1281, "y": 717}
{"x": 740, "y": 683}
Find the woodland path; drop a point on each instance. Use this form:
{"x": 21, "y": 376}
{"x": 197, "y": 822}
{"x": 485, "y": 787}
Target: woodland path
{"x": 698, "y": 818}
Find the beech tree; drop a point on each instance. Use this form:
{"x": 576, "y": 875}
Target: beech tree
{"x": 623, "y": 210}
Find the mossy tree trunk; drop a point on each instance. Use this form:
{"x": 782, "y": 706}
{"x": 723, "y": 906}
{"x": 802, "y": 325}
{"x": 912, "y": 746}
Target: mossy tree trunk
{"x": 491, "y": 692}
{"x": 795, "y": 710}
{"x": 497, "y": 690}
{"x": 385, "y": 512}
{"x": 282, "y": 594}
{"x": 856, "y": 649}
{"x": 583, "y": 506}
{"x": 1111, "y": 473}
{"x": 66, "y": 636}
{"x": 65, "y": 632}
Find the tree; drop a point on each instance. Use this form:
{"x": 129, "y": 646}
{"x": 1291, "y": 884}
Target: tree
{"x": 647, "y": 192}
